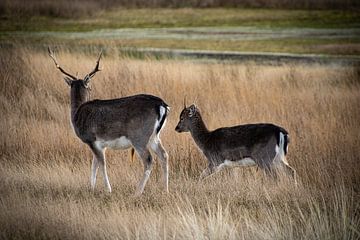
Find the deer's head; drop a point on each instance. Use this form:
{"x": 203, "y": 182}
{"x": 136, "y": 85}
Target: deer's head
{"x": 79, "y": 87}
{"x": 187, "y": 116}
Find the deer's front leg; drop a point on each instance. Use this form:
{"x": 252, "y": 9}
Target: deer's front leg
{"x": 206, "y": 173}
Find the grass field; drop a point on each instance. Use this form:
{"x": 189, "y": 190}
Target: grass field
{"x": 218, "y": 25}
{"x": 45, "y": 169}
{"x": 183, "y": 17}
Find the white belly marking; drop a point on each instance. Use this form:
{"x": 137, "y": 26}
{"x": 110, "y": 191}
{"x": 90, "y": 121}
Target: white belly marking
{"x": 117, "y": 143}
{"x": 245, "y": 162}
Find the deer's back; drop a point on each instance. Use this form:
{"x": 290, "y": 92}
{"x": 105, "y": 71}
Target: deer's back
{"x": 246, "y": 135}
{"x": 250, "y": 140}
{"x": 111, "y": 119}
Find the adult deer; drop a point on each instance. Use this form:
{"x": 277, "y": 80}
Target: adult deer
{"x": 134, "y": 121}
{"x": 264, "y": 145}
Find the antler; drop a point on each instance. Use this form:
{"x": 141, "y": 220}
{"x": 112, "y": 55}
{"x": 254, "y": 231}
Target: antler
{"x": 51, "y": 54}
{"x": 185, "y": 101}
{"x": 96, "y": 69}
{"x": 197, "y": 96}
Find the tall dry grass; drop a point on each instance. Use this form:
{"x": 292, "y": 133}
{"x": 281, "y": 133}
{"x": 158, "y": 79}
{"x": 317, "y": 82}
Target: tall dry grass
{"x": 45, "y": 169}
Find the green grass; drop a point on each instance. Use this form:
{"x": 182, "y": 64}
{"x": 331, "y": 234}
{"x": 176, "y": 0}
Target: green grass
{"x": 345, "y": 46}
{"x": 317, "y": 46}
{"x": 185, "y": 17}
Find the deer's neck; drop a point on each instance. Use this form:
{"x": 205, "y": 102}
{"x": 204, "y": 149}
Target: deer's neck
{"x": 199, "y": 131}
{"x": 78, "y": 97}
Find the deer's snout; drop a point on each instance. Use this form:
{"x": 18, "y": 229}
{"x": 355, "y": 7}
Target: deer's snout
{"x": 178, "y": 128}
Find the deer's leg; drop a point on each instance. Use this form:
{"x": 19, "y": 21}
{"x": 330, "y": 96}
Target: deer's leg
{"x": 289, "y": 170}
{"x": 101, "y": 162}
{"x": 292, "y": 172}
{"x": 270, "y": 171}
{"x": 94, "y": 168}
{"x": 206, "y": 173}
{"x": 147, "y": 161}
{"x": 106, "y": 178}
{"x": 212, "y": 170}
{"x": 159, "y": 150}
{"x": 268, "y": 162}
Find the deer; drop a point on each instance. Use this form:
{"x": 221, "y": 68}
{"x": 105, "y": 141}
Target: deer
{"x": 261, "y": 144}
{"x": 128, "y": 122}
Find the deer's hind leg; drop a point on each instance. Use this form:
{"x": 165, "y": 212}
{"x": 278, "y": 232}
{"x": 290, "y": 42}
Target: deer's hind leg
{"x": 289, "y": 170}
{"x": 159, "y": 150}
{"x": 206, "y": 173}
{"x": 146, "y": 157}
{"x": 94, "y": 168}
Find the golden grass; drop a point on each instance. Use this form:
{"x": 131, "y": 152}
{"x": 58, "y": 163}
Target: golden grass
{"x": 45, "y": 169}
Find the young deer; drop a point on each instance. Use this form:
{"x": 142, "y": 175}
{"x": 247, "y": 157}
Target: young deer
{"x": 264, "y": 144}
{"x": 134, "y": 121}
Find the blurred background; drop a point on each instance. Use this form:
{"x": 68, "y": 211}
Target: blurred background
{"x": 329, "y": 27}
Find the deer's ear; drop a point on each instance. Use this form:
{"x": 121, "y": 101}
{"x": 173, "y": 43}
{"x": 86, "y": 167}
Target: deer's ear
{"x": 86, "y": 84}
{"x": 192, "y": 110}
{"x": 86, "y": 80}
{"x": 68, "y": 81}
